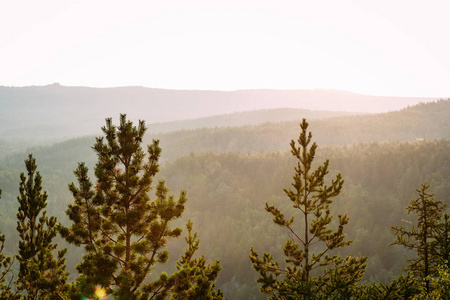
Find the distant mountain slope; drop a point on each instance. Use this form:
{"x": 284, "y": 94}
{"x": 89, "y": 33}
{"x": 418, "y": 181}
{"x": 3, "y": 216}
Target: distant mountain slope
{"x": 20, "y": 138}
{"x": 423, "y": 121}
{"x": 55, "y": 112}
{"x": 245, "y": 118}
{"x": 10, "y": 145}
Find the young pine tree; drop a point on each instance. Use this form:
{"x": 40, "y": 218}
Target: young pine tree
{"x": 41, "y": 275}
{"x": 194, "y": 279}
{"x": 310, "y": 272}
{"x": 421, "y": 237}
{"x": 124, "y": 232}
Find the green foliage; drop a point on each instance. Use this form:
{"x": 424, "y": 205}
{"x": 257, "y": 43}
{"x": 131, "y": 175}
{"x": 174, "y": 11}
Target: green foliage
{"x": 123, "y": 231}
{"x": 82, "y": 289}
{"x": 440, "y": 284}
{"x": 440, "y": 249}
{"x": 403, "y": 287}
{"x": 308, "y": 274}
{"x": 6, "y": 263}
{"x": 194, "y": 279}
{"x": 41, "y": 275}
{"x": 84, "y": 213}
{"x": 421, "y": 236}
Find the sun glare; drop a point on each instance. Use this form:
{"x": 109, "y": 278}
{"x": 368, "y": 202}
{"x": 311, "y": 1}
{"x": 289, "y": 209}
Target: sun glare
{"x": 100, "y": 292}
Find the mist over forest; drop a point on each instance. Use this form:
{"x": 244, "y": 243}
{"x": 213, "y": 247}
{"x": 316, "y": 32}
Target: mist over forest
{"x": 55, "y": 112}
{"x": 230, "y": 152}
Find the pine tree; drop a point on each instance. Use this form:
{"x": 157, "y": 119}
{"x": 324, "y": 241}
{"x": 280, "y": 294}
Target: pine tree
{"x": 124, "y": 232}
{"x": 308, "y": 274}
{"x": 6, "y": 263}
{"x": 404, "y": 287}
{"x": 441, "y": 284}
{"x": 41, "y": 275}
{"x": 440, "y": 249}
{"x": 421, "y": 237}
{"x": 195, "y": 280}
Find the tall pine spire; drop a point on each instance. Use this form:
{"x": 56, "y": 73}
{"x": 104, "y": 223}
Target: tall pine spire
{"x": 41, "y": 275}
{"x": 310, "y": 272}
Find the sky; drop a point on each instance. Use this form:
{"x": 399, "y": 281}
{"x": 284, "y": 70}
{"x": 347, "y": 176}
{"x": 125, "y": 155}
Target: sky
{"x": 386, "y": 48}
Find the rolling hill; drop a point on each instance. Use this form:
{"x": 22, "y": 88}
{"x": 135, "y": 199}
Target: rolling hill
{"x": 51, "y": 113}
{"x": 420, "y": 122}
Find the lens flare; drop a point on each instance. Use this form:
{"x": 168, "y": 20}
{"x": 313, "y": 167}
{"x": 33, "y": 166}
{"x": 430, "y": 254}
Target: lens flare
{"x": 100, "y": 292}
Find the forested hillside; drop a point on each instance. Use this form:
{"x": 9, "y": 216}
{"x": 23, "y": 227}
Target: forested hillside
{"x": 423, "y": 121}
{"x": 230, "y": 173}
{"x": 228, "y": 192}
{"x": 23, "y": 135}
{"x": 245, "y": 118}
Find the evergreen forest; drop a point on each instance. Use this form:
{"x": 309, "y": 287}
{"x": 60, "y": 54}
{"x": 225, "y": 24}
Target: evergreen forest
{"x": 341, "y": 206}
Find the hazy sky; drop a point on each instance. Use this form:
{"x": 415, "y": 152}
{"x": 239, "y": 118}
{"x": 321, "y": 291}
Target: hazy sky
{"x": 377, "y": 47}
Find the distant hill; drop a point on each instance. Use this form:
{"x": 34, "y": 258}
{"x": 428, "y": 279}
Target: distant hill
{"x": 420, "y": 122}
{"x": 415, "y": 123}
{"x": 245, "y": 118}
{"x": 55, "y": 112}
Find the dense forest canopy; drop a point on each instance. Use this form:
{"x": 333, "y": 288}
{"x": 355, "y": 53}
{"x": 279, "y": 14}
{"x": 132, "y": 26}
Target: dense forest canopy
{"x": 229, "y": 173}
